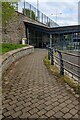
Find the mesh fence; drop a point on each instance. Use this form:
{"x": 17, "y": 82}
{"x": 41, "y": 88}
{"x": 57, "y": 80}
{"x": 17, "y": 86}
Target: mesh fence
{"x": 33, "y": 13}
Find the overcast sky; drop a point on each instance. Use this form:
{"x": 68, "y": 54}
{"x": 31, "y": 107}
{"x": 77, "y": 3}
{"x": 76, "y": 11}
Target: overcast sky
{"x": 65, "y": 12}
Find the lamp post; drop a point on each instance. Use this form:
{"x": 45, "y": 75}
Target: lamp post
{"x": 37, "y": 9}
{"x": 56, "y": 15}
{"x": 24, "y": 8}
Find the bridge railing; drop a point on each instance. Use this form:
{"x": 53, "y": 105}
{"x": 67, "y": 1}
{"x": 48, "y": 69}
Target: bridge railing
{"x": 34, "y": 13}
{"x": 68, "y": 63}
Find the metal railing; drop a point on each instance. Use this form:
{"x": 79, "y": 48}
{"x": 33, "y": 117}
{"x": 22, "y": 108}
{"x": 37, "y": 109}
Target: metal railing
{"x": 68, "y": 62}
{"x": 35, "y": 14}
{"x": 66, "y": 45}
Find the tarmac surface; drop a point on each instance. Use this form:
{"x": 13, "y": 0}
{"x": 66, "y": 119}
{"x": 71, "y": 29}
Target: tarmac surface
{"x": 30, "y": 90}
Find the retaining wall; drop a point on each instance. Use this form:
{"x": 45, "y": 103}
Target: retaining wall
{"x": 15, "y": 30}
{"x": 12, "y": 56}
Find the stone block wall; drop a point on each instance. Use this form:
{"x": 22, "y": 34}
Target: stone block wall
{"x": 15, "y": 30}
{"x": 10, "y": 57}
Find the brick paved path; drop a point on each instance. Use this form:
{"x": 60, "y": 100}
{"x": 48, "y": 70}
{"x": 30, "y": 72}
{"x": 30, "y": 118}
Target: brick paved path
{"x": 31, "y": 91}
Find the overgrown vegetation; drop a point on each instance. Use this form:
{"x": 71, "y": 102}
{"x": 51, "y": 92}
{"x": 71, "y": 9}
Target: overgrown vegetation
{"x": 29, "y": 13}
{"x": 69, "y": 81}
{"x": 8, "y": 47}
{"x": 7, "y": 12}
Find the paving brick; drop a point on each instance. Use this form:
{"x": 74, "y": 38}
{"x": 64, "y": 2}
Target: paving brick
{"x": 48, "y": 107}
{"x": 60, "y": 96}
{"x": 13, "y": 102}
{"x": 54, "y": 100}
{"x": 77, "y": 107}
{"x": 73, "y": 111}
{"x": 5, "y": 105}
{"x": 8, "y": 113}
{"x": 27, "y": 104}
{"x": 34, "y": 116}
{"x": 44, "y": 117}
{"x": 35, "y": 92}
{"x": 34, "y": 105}
{"x": 34, "y": 110}
{"x": 62, "y": 105}
{"x": 41, "y": 101}
{"x": 20, "y": 103}
{"x": 50, "y": 113}
{"x": 11, "y": 107}
{"x": 76, "y": 102}
{"x": 61, "y": 100}
{"x": 65, "y": 110}
{"x": 16, "y": 114}
{"x": 24, "y": 110}
{"x": 70, "y": 106}
{"x": 25, "y": 115}
{"x": 55, "y": 104}
{"x": 56, "y": 109}
{"x": 59, "y": 114}
{"x": 41, "y": 106}
{"x": 41, "y": 112}
{"x": 67, "y": 115}
{"x": 48, "y": 103}
{"x": 4, "y": 110}
{"x": 68, "y": 101}
{"x": 75, "y": 116}
{"x": 19, "y": 108}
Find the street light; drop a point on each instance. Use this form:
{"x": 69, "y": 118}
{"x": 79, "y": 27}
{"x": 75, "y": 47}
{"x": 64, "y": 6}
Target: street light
{"x": 37, "y": 9}
{"x": 56, "y": 15}
{"x": 38, "y": 4}
{"x": 24, "y": 8}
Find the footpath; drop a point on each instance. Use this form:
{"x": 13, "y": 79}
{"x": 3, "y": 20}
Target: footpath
{"x": 31, "y": 91}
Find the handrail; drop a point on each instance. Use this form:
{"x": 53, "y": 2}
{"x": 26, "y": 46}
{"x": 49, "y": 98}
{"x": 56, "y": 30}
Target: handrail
{"x": 69, "y": 71}
{"x": 68, "y": 62}
{"x": 70, "y": 54}
{"x": 51, "y": 56}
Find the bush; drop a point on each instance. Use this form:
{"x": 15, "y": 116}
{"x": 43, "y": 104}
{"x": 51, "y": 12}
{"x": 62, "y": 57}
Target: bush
{"x": 8, "y": 47}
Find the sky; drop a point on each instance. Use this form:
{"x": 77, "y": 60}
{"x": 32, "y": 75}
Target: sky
{"x": 64, "y": 12}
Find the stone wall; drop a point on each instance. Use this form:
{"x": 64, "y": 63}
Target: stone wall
{"x": 10, "y": 57}
{"x": 15, "y": 30}
{"x": 0, "y": 24}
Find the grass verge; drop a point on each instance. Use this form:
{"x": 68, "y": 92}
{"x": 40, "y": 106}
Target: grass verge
{"x": 8, "y": 47}
{"x": 71, "y": 82}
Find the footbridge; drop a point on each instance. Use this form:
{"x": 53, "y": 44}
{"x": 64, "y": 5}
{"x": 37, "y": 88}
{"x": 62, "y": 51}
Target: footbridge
{"x": 29, "y": 89}
{"x": 41, "y": 30}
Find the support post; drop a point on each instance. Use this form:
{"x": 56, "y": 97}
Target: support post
{"x": 61, "y": 64}
{"x": 28, "y": 35}
{"x": 48, "y": 53}
{"x": 50, "y": 40}
{"x": 52, "y": 59}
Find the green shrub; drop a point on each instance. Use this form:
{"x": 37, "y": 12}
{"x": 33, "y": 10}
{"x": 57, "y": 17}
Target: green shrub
{"x": 8, "y": 47}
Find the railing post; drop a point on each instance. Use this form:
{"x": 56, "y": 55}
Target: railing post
{"x": 48, "y": 53}
{"x": 52, "y": 59}
{"x": 61, "y": 64}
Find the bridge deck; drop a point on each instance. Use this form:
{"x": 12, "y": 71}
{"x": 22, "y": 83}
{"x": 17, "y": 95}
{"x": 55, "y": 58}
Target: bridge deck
{"x": 30, "y": 90}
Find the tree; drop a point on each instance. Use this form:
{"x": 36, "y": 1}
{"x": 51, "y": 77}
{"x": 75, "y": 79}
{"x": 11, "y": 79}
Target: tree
{"x": 29, "y": 13}
{"x": 8, "y": 11}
